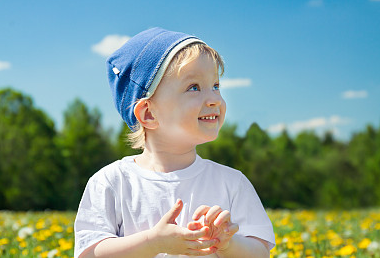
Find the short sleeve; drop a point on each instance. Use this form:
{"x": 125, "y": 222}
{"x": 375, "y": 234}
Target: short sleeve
{"x": 96, "y": 219}
{"x": 248, "y": 212}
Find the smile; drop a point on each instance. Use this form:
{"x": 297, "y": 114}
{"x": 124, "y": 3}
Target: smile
{"x": 208, "y": 118}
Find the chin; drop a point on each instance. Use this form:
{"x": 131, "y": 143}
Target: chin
{"x": 210, "y": 138}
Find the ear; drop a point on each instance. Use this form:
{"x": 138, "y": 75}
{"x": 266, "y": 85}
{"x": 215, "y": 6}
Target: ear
{"x": 144, "y": 114}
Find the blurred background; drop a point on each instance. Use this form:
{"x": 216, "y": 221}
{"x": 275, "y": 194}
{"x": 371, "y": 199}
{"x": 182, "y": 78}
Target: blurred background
{"x": 302, "y": 86}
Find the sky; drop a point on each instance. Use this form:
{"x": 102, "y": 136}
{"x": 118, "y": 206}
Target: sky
{"x": 299, "y": 65}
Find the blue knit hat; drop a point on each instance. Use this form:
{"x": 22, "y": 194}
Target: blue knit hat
{"x": 136, "y": 69}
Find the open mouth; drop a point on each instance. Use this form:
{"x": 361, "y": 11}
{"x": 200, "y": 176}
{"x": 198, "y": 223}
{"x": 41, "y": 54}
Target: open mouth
{"x": 208, "y": 117}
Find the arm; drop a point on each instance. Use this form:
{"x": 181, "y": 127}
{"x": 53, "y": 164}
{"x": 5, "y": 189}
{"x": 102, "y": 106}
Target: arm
{"x": 241, "y": 246}
{"x": 165, "y": 237}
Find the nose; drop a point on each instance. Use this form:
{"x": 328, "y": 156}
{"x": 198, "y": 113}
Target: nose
{"x": 214, "y": 99}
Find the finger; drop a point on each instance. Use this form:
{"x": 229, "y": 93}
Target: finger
{"x": 212, "y": 214}
{"x": 201, "y": 244}
{"x": 223, "y": 217}
{"x": 231, "y": 229}
{"x": 194, "y": 234}
{"x": 194, "y": 225}
{"x": 200, "y": 211}
{"x": 201, "y": 252}
{"x": 173, "y": 213}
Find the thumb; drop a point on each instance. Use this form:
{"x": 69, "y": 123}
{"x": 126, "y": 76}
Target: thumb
{"x": 173, "y": 213}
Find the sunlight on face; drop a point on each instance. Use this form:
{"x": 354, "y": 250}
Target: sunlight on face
{"x": 188, "y": 104}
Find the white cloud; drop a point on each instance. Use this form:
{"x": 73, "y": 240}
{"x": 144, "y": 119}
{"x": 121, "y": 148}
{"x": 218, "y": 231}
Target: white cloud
{"x": 315, "y": 3}
{"x": 351, "y": 94}
{"x": 4, "y": 65}
{"x": 277, "y": 128}
{"x": 320, "y": 124}
{"x": 235, "y": 83}
{"x": 109, "y": 44}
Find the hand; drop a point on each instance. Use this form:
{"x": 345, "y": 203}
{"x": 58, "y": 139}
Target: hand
{"x": 172, "y": 239}
{"x": 218, "y": 222}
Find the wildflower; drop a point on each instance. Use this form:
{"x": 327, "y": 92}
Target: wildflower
{"x": 4, "y": 241}
{"x": 373, "y": 246}
{"x": 22, "y": 244}
{"x": 37, "y": 249}
{"x": 64, "y": 244}
{"x": 347, "y": 250}
{"x": 364, "y": 243}
{"x": 56, "y": 228}
{"x": 40, "y": 224}
{"x": 283, "y": 255}
{"x": 305, "y": 236}
{"x": 24, "y": 232}
{"x": 52, "y": 253}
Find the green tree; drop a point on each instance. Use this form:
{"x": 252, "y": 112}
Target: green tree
{"x": 364, "y": 155}
{"x": 122, "y": 147}
{"x": 254, "y": 160}
{"x": 31, "y": 165}
{"x": 85, "y": 148}
{"x": 284, "y": 173}
{"x": 224, "y": 149}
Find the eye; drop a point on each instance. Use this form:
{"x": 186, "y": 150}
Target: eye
{"x": 216, "y": 86}
{"x": 194, "y": 87}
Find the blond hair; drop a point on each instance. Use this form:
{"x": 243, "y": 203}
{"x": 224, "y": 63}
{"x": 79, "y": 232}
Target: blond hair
{"x": 182, "y": 58}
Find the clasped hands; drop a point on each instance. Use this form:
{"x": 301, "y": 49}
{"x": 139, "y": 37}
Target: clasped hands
{"x": 201, "y": 237}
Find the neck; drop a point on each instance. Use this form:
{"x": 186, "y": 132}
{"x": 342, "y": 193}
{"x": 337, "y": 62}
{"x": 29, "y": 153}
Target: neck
{"x": 165, "y": 160}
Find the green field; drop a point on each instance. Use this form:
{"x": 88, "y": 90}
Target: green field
{"x": 302, "y": 233}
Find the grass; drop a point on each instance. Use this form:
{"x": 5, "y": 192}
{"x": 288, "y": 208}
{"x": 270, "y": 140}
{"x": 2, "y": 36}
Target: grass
{"x": 303, "y": 233}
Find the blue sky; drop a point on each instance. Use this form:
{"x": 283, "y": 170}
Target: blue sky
{"x": 294, "y": 64}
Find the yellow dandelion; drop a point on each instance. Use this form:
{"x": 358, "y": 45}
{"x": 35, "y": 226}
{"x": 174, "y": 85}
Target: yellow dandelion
{"x": 44, "y": 254}
{"x": 366, "y": 224}
{"x": 37, "y": 249}
{"x": 4, "y": 241}
{"x": 22, "y": 244}
{"x": 336, "y": 241}
{"x": 347, "y": 250}
{"x": 70, "y": 230}
{"x": 65, "y": 244}
{"x": 364, "y": 243}
{"x": 56, "y": 228}
{"x": 40, "y": 224}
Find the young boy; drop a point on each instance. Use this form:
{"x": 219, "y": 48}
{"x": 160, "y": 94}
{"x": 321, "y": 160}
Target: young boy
{"x": 168, "y": 201}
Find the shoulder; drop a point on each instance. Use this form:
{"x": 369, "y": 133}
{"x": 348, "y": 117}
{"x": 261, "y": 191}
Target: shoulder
{"x": 112, "y": 173}
{"x": 220, "y": 170}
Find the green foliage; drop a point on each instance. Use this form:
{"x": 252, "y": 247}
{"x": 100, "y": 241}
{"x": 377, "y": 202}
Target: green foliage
{"x": 122, "y": 147}
{"x": 41, "y": 168}
{"x": 85, "y": 149}
{"x": 31, "y": 165}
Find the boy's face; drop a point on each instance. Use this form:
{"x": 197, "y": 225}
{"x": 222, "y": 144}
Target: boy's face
{"x": 188, "y": 105}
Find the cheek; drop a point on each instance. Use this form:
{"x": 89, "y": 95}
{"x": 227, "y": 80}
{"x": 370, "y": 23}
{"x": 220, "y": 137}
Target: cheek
{"x": 223, "y": 108}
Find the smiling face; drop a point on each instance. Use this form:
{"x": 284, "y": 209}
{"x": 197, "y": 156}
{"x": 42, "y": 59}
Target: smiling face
{"x": 187, "y": 103}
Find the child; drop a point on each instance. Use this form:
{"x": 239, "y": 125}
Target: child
{"x": 168, "y": 201}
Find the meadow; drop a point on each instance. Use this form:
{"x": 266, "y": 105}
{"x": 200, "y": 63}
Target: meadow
{"x": 301, "y": 233}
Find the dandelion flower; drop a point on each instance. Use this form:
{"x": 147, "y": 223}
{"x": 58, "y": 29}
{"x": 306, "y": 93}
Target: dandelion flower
{"x": 24, "y": 232}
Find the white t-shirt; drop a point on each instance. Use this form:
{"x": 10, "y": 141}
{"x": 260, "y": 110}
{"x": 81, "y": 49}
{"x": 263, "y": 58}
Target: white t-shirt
{"x": 122, "y": 199}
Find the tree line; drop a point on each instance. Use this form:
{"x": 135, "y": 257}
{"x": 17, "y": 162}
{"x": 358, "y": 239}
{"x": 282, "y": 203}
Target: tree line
{"x": 43, "y": 168}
